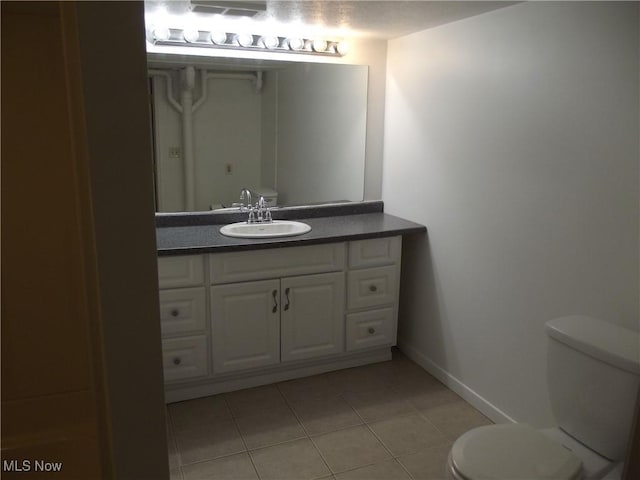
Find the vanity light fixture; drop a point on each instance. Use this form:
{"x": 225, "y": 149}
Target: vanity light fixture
{"x": 218, "y": 38}
{"x": 161, "y": 34}
{"x": 244, "y": 39}
{"x": 319, "y": 45}
{"x": 191, "y": 37}
{"x": 342, "y": 48}
{"x": 268, "y": 41}
{"x": 295, "y": 43}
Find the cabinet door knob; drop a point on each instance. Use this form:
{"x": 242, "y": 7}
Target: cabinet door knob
{"x": 177, "y": 361}
{"x": 175, "y": 312}
{"x": 371, "y": 330}
{"x": 274, "y": 294}
{"x": 372, "y": 288}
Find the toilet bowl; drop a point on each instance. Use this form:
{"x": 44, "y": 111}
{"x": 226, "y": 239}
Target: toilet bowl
{"x": 517, "y": 451}
{"x": 593, "y": 373}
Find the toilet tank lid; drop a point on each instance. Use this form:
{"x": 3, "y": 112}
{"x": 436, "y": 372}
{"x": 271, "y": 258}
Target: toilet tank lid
{"x": 264, "y": 191}
{"x": 613, "y": 344}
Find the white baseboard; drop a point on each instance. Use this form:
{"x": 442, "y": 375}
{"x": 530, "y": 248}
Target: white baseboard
{"x": 487, "y": 408}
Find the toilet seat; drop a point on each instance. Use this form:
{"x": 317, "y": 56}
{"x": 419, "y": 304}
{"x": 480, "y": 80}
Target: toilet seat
{"x": 512, "y": 452}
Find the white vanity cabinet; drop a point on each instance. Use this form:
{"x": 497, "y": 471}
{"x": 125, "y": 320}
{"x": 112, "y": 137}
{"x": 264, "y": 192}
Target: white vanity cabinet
{"x": 237, "y": 319}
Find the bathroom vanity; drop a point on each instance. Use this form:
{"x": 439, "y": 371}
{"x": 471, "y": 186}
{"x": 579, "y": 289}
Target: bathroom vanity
{"x": 237, "y": 313}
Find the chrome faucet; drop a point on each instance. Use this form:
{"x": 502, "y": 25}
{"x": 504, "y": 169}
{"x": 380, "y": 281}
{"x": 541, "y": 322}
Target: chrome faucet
{"x": 260, "y": 205}
{"x": 245, "y": 194}
{"x": 260, "y": 213}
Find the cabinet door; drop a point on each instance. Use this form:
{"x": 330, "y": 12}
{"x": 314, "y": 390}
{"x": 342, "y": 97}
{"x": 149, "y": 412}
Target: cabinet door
{"x": 312, "y": 316}
{"x": 245, "y": 319}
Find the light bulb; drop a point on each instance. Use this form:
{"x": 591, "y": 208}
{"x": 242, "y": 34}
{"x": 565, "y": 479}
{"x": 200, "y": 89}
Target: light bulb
{"x": 342, "y": 48}
{"x": 295, "y": 43}
{"x": 268, "y": 41}
{"x": 319, "y": 45}
{"x": 244, "y": 39}
{"x": 219, "y": 38}
{"x": 161, "y": 34}
{"x": 191, "y": 35}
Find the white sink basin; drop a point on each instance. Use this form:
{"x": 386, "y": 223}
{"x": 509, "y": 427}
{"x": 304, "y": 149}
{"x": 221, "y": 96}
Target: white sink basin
{"x": 277, "y": 228}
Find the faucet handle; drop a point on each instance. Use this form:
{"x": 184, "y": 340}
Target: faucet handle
{"x": 252, "y": 217}
{"x": 268, "y": 216}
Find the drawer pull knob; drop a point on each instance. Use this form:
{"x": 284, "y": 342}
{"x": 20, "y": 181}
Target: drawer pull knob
{"x": 174, "y": 312}
{"x": 372, "y": 288}
{"x": 371, "y": 330}
{"x": 177, "y": 361}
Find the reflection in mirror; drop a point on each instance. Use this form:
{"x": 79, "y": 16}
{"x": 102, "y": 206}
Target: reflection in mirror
{"x": 292, "y": 132}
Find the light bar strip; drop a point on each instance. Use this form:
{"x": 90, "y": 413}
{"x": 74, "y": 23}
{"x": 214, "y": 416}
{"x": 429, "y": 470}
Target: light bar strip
{"x": 230, "y": 40}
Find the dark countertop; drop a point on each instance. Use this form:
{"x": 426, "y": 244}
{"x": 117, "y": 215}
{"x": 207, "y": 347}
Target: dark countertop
{"x": 181, "y": 240}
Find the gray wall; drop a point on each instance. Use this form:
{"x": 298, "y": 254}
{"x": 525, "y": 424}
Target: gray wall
{"x": 513, "y": 136}
{"x": 321, "y": 133}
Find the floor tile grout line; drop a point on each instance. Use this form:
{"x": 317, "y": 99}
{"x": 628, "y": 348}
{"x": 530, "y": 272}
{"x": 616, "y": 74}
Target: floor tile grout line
{"x": 249, "y": 451}
{"x": 239, "y": 452}
{"x": 370, "y": 429}
{"x": 174, "y": 438}
{"x": 364, "y": 423}
{"x": 342, "y": 394}
{"x": 367, "y": 424}
{"x": 235, "y": 422}
{"x": 286, "y": 400}
{"x": 365, "y": 466}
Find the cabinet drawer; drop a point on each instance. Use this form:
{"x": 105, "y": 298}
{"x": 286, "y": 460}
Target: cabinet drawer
{"x": 375, "y": 251}
{"x": 372, "y": 287}
{"x": 184, "y": 271}
{"x": 182, "y": 310}
{"x": 234, "y": 267}
{"x": 370, "y": 329}
{"x": 184, "y": 357}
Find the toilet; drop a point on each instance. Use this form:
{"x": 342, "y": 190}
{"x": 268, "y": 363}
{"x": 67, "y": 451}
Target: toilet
{"x": 593, "y": 373}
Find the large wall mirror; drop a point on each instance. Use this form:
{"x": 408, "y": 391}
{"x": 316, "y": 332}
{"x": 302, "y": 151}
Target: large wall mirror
{"x": 292, "y": 132}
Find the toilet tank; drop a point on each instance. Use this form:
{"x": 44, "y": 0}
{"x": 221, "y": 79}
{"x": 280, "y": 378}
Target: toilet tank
{"x": 593, "y": 372}
{"x": 269, "y": 194}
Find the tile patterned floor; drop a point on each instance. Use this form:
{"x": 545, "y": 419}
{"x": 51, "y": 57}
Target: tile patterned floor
{"x": 386, "y": 421}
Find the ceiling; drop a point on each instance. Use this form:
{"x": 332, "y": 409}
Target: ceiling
{"x": 363, "y": 18}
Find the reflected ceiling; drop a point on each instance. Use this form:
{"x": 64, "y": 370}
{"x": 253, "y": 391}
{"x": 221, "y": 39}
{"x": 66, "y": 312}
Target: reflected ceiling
{"x": 372, "y": 19}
